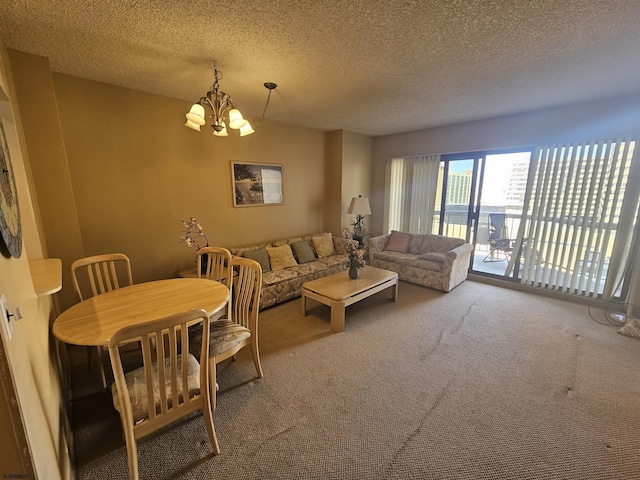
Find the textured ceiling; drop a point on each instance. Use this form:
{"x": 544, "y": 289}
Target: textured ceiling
{"x": 368, "y": 66}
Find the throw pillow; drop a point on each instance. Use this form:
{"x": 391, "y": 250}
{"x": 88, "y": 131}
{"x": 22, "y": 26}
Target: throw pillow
{"x": 261, "y": 256}
{"x": 324, "y": 245}
{"x": 281, "y": 257}
{"x": 303, "y": 252}
{"x": 433, "y": 256}
{"x": 398, "y": 242}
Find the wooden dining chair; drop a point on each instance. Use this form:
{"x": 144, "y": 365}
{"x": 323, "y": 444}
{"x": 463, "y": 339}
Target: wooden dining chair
{"x": 228, "y": 336}
{"x": 100, "y": 274}
{"x": 96, "y": 275}
{"x": 168, "y": 386}
{"x": 213, "y": 263}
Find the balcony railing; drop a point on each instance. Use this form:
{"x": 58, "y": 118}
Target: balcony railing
{"x": 555, "y": 258}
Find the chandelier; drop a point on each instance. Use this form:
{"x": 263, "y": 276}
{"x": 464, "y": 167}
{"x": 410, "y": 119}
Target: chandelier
{"x": 223, "y": 110}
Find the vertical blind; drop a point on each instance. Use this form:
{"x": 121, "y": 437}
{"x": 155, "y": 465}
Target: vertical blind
{"x": 411, "y": 184}
{"x": 579, "y": 217}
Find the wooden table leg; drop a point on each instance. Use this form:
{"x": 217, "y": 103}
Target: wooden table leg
{"x": 304, "y": 304}
{"x": 394, "y": 295}
{"x": 337, "y": 316}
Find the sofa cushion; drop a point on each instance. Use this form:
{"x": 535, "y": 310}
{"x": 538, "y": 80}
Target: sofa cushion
{"x": 423, "y": 264}
{"x": 137, "y": 386}
{"x": 303, "y": 252}
{"x": 281, "y": 257}
{"x": 324, "y": 245}
{"x": 433, "y": 256}
{"x": 261, "y": 256}
{"x": 415, "y": 243}
{"x": 312, "y": 270}
{"x": 398, "y": 242}
{"x": 333, "y": 260}
{"x": 390, "y": 256}
{"x": 438, "y": 243}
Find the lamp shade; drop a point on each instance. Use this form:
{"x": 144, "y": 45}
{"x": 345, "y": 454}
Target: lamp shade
{"x": 196, "y": 114}
{"x": 359, "y": 206}
{"x": 235, "y": 119}
{"x": 246, "y": 129}
{"x": 192, "y": 125}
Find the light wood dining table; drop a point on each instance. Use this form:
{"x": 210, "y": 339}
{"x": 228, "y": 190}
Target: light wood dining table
{"x": 93, "y": 322}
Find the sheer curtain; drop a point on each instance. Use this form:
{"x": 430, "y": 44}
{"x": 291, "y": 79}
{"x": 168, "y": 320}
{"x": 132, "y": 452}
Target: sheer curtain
{"x": 580, "y": 210}
{"x": 411, "y": 184}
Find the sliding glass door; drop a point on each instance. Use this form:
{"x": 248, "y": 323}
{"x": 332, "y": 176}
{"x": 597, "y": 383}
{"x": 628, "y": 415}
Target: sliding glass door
{"x": 477, "y": 187}
{"x": 500, "y": 208}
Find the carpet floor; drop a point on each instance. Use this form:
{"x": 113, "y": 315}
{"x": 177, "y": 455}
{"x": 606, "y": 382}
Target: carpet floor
{"x": 478, "y": 383}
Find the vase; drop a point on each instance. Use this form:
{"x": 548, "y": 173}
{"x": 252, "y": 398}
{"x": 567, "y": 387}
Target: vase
{"x": 353, "y": 273}
{"x": 204, "y": 261}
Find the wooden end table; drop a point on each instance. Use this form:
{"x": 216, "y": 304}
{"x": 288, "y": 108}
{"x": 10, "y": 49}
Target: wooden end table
{"x": 338, "y": 291}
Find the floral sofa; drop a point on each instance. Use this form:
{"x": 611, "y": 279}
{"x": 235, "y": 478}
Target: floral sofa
{"x": 287, "y": 264}
{"x": 433, "y": 261}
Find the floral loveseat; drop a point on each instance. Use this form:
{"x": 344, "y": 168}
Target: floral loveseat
{"x": 434, "y": 261}
{"x": 287, "y": 264}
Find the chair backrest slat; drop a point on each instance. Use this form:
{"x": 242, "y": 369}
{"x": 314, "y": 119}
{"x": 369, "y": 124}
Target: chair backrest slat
{"x": 147, "y": 360}
{"x": 184, "y": 347}
{"x": 173, "y": 368}
{"x": 113, "y": 277}
{"x": 160, "y": 362}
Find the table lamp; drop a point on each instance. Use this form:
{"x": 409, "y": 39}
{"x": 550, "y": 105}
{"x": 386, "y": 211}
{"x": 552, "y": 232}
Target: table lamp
{"x": 359, "y": 207}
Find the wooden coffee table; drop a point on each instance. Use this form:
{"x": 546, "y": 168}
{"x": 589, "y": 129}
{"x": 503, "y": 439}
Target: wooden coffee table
{"x": 339, "y": 291}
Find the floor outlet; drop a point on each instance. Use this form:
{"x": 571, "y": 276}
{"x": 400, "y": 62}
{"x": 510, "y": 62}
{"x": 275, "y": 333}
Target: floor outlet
{"x": 6, "y": 325}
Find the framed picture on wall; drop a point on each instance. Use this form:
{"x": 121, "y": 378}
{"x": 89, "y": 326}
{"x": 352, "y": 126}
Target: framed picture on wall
{"x": 256, "y": 184}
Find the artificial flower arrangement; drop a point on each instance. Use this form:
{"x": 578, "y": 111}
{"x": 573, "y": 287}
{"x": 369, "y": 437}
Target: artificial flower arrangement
{"x": 356, "y": 255}
{"x": 193, "y": 234}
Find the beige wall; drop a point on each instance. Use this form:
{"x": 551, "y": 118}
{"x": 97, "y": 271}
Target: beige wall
{"x": 333, "y": 181}
{"x": 31, "y": 355}
{"x": 356, "y": 172}
{"x": 47, "y": 157}
{"x": 602, "y": 119}
{"x": 133, "y": 172}
{"x": 348, "y": 175}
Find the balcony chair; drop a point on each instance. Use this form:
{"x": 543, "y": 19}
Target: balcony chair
{"x": 178, "y": 384}
{"x": 500, "y": 245}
